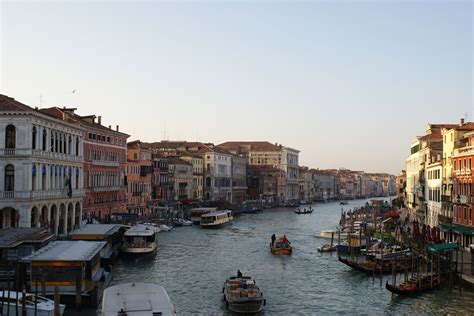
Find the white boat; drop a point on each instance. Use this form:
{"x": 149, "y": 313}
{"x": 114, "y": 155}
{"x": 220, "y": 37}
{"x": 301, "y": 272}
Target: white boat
{"x": 165, "y": 228}
{"x": 196, "y": 213}
{"x": 216, "y": 219}
{"x": 137, "y": 299}
{"x": 187, "y": 223}
{"x": 140, "y": 240}
{"x": 44, "y": 306}
{"x": 329, "y": 233}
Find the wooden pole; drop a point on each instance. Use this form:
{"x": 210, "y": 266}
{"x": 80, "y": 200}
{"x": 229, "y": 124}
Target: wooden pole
{"x": 17, "y": 282}
{"x": 3, "y": 298}
{"x": 23, "y": 302}
{"x": 57, "y": 309}
{"x": 332, "y": 239}
{"x": 460, "y": 272}
{"x": 8, "y": 294}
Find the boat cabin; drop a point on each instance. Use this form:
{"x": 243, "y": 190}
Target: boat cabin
{"x": 16, "y": 243}
{"x": 71, "y": 265}
{"x": 216, "y": 219}
{"x": 112, "y": 234}
{"x": 196, "y": 213}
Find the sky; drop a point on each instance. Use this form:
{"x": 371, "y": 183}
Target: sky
{"x": 348, "y": 83}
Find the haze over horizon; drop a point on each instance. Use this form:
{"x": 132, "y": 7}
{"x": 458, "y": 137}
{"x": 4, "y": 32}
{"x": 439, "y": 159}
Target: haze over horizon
{"x": 349, "y": 84}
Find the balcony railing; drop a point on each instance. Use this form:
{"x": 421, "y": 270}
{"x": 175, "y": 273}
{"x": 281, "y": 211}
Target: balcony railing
{"x": 38, "y": 153}
{"x": 105, "y": 163}
{"x": 39, "y": 195}
{"x": 106, "y": 189}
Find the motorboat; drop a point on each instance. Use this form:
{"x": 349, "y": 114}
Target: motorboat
{"x": 165, "y": 228}
{"x": 140, "y": 240}
{"x": 196, "y": 213}
{"x": 242, "y": 295}
{"x": 305, "y": 211}
{"x": 327, "y": 248}
{"x": 44, "y": 306}
{"x": 216, "y": 219}
{"x": 332, "y": 233}
{"x": 280, "y": 247}
{"x": 140, "y": 299}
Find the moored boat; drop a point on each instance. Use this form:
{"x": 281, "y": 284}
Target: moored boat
{"x": 416, "y": 284}
{"x": 305, "y": 211}
{"x": 281, "y": 246}
{"x": 165, "y": 228}
{"x": 137, "y": 299}
{"x": 216, "y": 219}
{"x": 327, "y": 248}
{"x": 242, "y": 295}
{"x": 330, "y": 233}
{"x": 139, "y": 240}
{"x": 44, "y": 306}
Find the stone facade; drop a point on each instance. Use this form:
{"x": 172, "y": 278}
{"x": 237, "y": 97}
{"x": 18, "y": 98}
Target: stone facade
{"x": 40, "y": 169}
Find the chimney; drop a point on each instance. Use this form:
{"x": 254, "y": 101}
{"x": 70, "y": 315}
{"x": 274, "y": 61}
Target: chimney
{"x": 462, "y": 122}
{"x": 117, "y": 128}
{"x": 99, "y": 120}
{"x": 110, "y": 126}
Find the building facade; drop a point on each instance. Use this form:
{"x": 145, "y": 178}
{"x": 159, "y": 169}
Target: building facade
{"x": 41, "y": 169}
{"x": 139, "y": 177}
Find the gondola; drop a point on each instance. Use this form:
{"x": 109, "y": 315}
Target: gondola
{"x": 416, "y": 285}
{"x": 372, "y": 267}
{"x": 299, "y": 211}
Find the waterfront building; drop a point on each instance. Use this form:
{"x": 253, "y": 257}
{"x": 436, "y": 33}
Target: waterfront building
{"x": 266, "y": 153}
{"x": 105, "y": 159}
{"x": 432, "y": 175}
{"x": 265, "y": 182}
{"x": 452, "y": 135}
{"x": 181, "y": 176}
{"x": 41, "y": 168}
{"x": 463, "y": 197}
{"x": 346, "y": 184}
{"x": 307, "y": 185}
{"x": 217, "y": 165}
{"x": 327, "y": 184}
{"x": 139, "y": 175}
{"x": 198, "y": 174}
{"x": 401, "y": 185}
{"x": 239, "y": 179}
{"x": 160, "y": 179}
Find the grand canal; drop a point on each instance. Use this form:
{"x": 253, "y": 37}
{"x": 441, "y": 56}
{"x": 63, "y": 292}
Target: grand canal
{"x": 193, "y": 263}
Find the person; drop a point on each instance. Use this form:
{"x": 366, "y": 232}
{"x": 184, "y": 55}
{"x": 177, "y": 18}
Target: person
{"x": 239, "y": 274}
{"x": 285, "y": 240}
{"x": 273, "y": 240}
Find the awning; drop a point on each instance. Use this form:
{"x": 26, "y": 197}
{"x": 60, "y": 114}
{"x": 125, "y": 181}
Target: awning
{"x": 458, "y": 229}
{"x": 443, "y": 247}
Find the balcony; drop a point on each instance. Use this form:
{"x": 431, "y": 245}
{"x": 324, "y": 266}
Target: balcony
{"x": 39, "y": 195}
{"x": 38, "y": 153}
{"x": 442, "y": 219}
{"x": 463, "y": 151}
{"x": 445, "y": 198}
{"x": 464, "y": 199}
{"x": 105, "y": 163}
{"x": 106, "y": 189}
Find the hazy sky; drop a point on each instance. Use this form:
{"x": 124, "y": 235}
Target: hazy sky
{"x": 348, "y": 83}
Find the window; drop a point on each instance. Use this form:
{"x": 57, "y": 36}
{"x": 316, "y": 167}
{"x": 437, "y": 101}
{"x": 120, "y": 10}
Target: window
{"x": 56, "y": 140}
{"x": 77, "y": 146}
{"x": 10, "y": 137}
{"x": 44, "y": 139}
{"x": 69, "y": 144}
{"x": 33, "y": 138}
{"x": 9, "y": 178}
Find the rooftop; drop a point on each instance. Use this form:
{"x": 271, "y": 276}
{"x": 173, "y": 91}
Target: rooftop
{"x": 96, "y": 229}
{"x": 12, "y": 237}
{"x": 67, "y": 250}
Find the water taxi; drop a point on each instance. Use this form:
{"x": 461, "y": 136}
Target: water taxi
{"x": 137, "y": 299}
{"x": 216, "y": 219}
{"x": 35, "y": 305}
{"x": 280, "y": 247}
{"x": 139, "y": 240}
{"x": 242, "y": 295}
{"x": 196, "y": 213}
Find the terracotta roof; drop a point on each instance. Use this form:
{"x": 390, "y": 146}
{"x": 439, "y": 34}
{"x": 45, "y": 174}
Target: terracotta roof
{"x": 250, "y": 145}
{"x": 9, "y": 104}
{"x": 192, "y": 147}
{"x": 432, "y": 136}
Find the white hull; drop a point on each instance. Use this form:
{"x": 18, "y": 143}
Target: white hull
{"x": 328, "y": 233}
{"x": 45, "y": 307}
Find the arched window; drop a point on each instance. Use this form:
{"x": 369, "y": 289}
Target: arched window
{"x": 77, "y": 146}
{"x": 10, "y": 137}
{"x": 33, "y": 138}
{"x": 69, "y": 145}
{"x": 9, "y": 178}
{"x": 60, "y": 142}
{"x": 44, "y": 139}
{"x": 64, "y": 144}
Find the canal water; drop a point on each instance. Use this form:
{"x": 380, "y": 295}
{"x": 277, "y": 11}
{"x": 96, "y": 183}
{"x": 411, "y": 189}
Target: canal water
{"x": 192, "y": 264}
